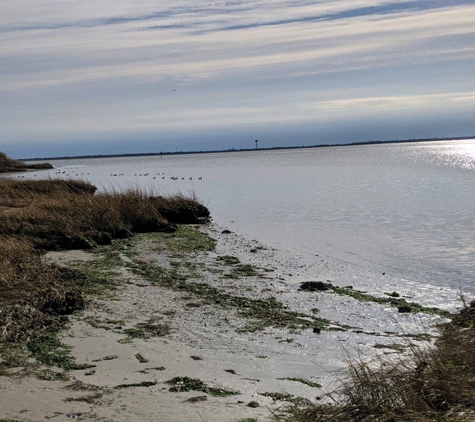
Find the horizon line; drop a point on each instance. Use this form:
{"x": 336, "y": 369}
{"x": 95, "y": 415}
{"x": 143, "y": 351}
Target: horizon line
{"x": 143, "y": 154}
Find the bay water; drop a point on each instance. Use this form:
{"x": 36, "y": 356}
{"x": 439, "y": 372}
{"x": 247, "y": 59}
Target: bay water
{"x": 405, "y": 209}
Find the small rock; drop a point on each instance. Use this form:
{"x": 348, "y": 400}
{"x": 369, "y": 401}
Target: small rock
{"x": 196, "y": 358}
{"x": 253, "y": 404}
{"x": 313, "y": 286}
{"x": 316, "y": 330}
{"x": 404, "y": 309}
{"x": 196, "y": 399}
{"x": 226, "y": 231}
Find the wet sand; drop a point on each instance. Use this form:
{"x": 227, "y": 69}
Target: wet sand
{"x": 207, "y": 340}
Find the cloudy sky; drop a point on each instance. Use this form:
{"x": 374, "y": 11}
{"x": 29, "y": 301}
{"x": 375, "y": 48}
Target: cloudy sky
{"x": 119, "y": 76}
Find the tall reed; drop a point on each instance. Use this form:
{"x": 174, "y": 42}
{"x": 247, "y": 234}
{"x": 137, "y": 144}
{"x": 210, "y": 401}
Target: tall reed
{"x": 435, "y": 382}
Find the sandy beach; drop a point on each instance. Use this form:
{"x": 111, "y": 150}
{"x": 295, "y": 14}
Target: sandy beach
{"x": 144, "y": 334}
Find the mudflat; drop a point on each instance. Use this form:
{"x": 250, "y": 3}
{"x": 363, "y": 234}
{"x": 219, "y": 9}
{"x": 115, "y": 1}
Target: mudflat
{"x": 206, "y": 325}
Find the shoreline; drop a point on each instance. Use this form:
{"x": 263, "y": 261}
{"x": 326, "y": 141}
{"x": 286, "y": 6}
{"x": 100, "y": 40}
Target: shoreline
{"x": 270, "y": 360}
{"x": 147, "y": 154}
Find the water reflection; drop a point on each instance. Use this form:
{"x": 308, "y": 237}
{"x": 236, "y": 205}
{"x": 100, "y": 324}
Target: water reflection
{"x": 407, "y": 209}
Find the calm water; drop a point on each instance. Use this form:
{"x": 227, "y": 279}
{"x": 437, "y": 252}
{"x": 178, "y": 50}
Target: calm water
{"x": 406, "y": 209}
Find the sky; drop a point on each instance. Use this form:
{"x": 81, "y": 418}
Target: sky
{"x": 135, "y": 76}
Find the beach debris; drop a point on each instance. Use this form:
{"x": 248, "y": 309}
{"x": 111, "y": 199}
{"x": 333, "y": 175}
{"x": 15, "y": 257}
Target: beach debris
{"x": 228, "y": 259}
{"x": 141, "y": 262}
{"x": 396, "y": 347}
{"x": 140, "y": 358}
{"x": 252, "y": 379}
{"x": 253, "y": 404}
{"x": 278, "y": 396}
{"x": 231, "y": 371}
{"x": 196, "y": 358}
{"x": 111, "y": 357}
{"x": 193, "y": 305}
{"x": 147, "y": 330}
{"x": 196, "y": 399}
{"x": 87, "y": 399}
{"x": 82, "y": 386}
{"x": 313, "y": 286}
{"x": 137, "y": 384}
{"x": 404, "y": 309}
{"x": 180, "y": 384}
{"x": 226, "y": 231}
{"x": 303, "y": 381}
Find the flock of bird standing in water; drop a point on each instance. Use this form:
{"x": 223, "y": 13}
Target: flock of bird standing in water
{"x": 159, "y": 174}
{"x": 72, "y": 173}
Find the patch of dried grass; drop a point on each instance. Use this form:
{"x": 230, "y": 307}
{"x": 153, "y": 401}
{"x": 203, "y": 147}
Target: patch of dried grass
{"x": 434, "y": 383}
{"x": 56, "y": 214}
{"x": 9, "y": 165}
{"x": 59, "y": 214}
{"x": 33, "y": 295}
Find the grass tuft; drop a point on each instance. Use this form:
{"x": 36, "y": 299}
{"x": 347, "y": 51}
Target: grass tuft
{"x": 434, "y": 383}
{"x": 180, "y": 384}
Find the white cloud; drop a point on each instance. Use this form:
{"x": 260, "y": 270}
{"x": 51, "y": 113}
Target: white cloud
{"x": 85, "y": 54}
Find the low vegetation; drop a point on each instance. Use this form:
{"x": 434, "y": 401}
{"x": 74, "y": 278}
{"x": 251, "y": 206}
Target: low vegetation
{"x": 259, "y": 313}
{"x": 58, "y": 214}
{"x": 435, "y": 383}
{"x": 36, "y": 297}
{"x": 303, "y": 381}
{"x": 184, "y": 240}
{"x": 33, "y": 295}
{"x": 9, "y": 165}
{"x": 179, "y": 384}
{"x": 394, "y": 301}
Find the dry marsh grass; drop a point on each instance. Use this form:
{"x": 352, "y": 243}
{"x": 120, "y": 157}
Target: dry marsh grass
{"x": 56, "y": 214}
{"x": 435, "y": 383}
{"x": 9, "y": 165}
{"x": 59, "y": 214}
{"x": 33, "y": 295}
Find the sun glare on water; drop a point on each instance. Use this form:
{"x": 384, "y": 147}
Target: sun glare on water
{"x": 459, "y": 154}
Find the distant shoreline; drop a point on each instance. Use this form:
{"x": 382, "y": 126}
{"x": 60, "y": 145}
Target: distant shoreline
{"x": 146, "y": 154}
